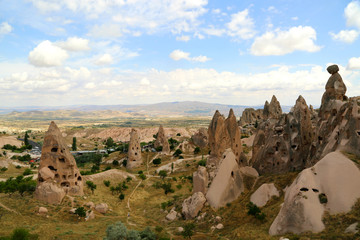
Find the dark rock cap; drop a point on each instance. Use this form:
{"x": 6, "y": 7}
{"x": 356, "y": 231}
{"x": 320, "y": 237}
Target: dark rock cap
{"x": 333, "y": 69}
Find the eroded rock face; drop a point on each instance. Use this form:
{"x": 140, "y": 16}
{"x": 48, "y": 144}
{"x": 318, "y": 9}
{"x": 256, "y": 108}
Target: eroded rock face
{"x": 134, "y": 154}
{"x": 284, "y": 145}
{"x": 193, "y": 204}
{"x": 162, "y": 141}
{"x": 200, "y": 180}
{"x": 272, "y": 110}
{"x": 58, "y": 174}
{"x": 263, "y": 194}
{"x": 228, "y": 182}
{"x": 332, "y": 184}
{"x": 335, "y": 89}
{"x": 250, "y": 116}
{"x": 200, "y": 138}
{"x": 223, "y": 134}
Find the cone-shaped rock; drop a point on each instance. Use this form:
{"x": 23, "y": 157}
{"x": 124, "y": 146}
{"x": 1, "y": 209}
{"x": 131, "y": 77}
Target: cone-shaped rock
{"x": 162, "y": 141}
{"x": 134, "y": 155}
{"x": 272, "y": 110}
{"x": 58, "y": 174}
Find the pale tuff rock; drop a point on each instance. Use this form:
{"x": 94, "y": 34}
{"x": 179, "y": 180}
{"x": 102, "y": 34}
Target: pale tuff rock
{"x": 134, "y": 154}
{"x": 89, "y": 215}
{"x": 200, "y": 138}
{"x": 42, "y": 211}
{"x": 224, "y": 134}
{"x": 228, "y": 182}
{"x": 352, "y": 228}
{"x": 272, "y": 110}
{"x": 284, "y": 145}
{"x": 162, "y": 141}
{"x": 263, "y": 194}
{"x": 250, "y": 116}
{"x": 58, "y": 174}
{"x": 102, "y": 208}
{"x": 186, "y": 147}
{"x": 172, "y": 215}
{"x": 200, "y": 180}
{"x": 192, "y": 205}
{"x": 336, "y": 178}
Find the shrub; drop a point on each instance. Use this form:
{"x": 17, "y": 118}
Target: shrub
{"x": 163, "y": 174}
{"x": 115, "y": 163}
{"x": 177, "y": 153}
{"x": 167, "y": 188}
{"x": 142, "y": 176}
{"x": 128, "y": 179}
{"x": 188, "y": 230}
{"x": 196, "y": 150}
{"x": 124, "y": 162}
{"x": 202, "y": 163}
{"x": 18, "y": 166}
{"x": 147, "y": 234}
{"x": 107, "y": 168}
{"x": 159, "y": 148}
{"x": 4, "y": 169}
{"x": 22, "y": 234}
{"x": 121, "y": 196}
{"x": 157, "y": 161}
{"x": 181, "y": 157}
{"x": 91, "y": 186}
{"x": 107, "y": 183}
{"x": 255, "y": 211}
{"x": 80, "y": 211}
{"x": 27, "y": 172}
{"x": 322, "y": 198}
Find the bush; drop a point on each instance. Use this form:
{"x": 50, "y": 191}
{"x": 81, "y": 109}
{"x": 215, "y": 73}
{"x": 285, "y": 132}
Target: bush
{"x": 322, "y": 198}
{"x": 4, "y": 169}
{"x": 188, "y": 230}
{"x": 181, "y": 157}
{"x": 18, "y": 184}
{"x": 22, "y": 234}
{"x": 27, "y": 172}
{"x": 121, "y": 196}
{"x": 163, "y": 174}
{"x": 202, "y": 163}
{"x": 167, "y": 188}
{"x": 115, "y": 163}
{"x": 80, "y": 211}
{"x": 88, "y": 158}
{"x": 119, "y": 231}
{"x": 196, "y": 150}
{"x": 107, "y": 168}
{"x": 18, "y": 166}
{"x": 159, "y": 148}
{"x": 91, "y": 186}
{"x": 177, "y": 153}
{"x": 124, "y": 163}
{"x": 142, "y": 176}
{"x": 107, "y": 183}
{"x": 255, "y": 211}
{"x": 157, "y": 161}
{"x": 128, "y": 179}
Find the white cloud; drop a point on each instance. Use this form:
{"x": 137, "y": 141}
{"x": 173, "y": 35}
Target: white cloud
{"x": 183, "y": 38}
{"x": 354, "y": 63}
{"x": 283, "y": 42}
{"x": 75, "y": 44}
{"x": 241, "y": 25}
{"x": 352, "y": 14}
{"x": 90, "y": 85}
{"x": 295, "y": 18}
{"x": 46, "y": 54}
{"x": 5, "y": 28}
{"x": 107, "y": 31}
{"x": 179, "y": 55}
{"x": 145, "y": 82}
{"x": 212, "y": 31}
{"x": 347, "y": 36}
{"x": 105, "y": 59}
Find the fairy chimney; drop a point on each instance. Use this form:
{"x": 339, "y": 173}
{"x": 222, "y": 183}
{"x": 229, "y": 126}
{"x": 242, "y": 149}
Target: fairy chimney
{"x": 134, "y": 154}
{"x": 162, "y": 141}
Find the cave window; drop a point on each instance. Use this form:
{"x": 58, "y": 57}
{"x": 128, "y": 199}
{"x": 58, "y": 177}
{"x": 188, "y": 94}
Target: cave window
{"x": 278, "y": 163}
{"x": 41, "y": 179}
{"x": 273, "y": 164}
{"x": 79, "y": 178}
{"x": 304, "y": 189}
{"x": 65, "y": 184}
{"x": 52, "y": 168}
{"x": 56, "y": 175}
{"x": 232, "y": 173}
{"x": 293, "y": 146}
{"x": 133, "y": 148}
{"x": 75, "y": 174}
{"x": 224, "y": 156}
{"x": 358, "y": 133}
{"x": 75, "y": 183}
{"x": 333, "y": 112}
{"x": 135, "y": 153}
{"x": 64, "y": 176}
{"x": 276, "y": 148}
{"x": 291, "y": 159}
{"x": 315, "y": 190}
{"x": 62, "y": 160}
{"x": 236, "y": 145}
{"x": 54, "y": 149}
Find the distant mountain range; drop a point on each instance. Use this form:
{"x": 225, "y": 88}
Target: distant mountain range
{"x": 186, "y": 108}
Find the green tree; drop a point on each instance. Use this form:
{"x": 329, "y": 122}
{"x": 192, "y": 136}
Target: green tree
{"x": 107, "y": 183}
{"x": 26, "y": 139}
{"x": 74, "y": 147}
{"x": 27, "y": 172}
{"x": 196, "y": 150}
{"x": 80, "y": 211}
{"x": 177, "y": 153}
{"x": 188, "y": 230}
{"x": 157, "y": 161}
{"x": 109, "y": 142}
{"x": 121, "y": 196}
{"x": 91, "y": 186}
{"x": 163, "y": 174}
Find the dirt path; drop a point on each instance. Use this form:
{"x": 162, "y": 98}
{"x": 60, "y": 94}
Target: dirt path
{"x": 132, "y": 193}
{"x": 10, "y": 210}
{"x": 147, "y": 162}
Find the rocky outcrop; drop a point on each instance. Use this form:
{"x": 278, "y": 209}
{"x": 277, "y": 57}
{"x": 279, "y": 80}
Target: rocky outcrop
{"x": 272, "y": 110}
{"x": 161, "y": 140}
{"x": 200, "y": 138}
{"x": 335, "y": 90}
{"x": 250, "y": 116}
{"x": 223, "y": 134}
{"x": 228, "y": 182}
{"x": 192, "y": 205}
{"x": 58, "y": 174}
{"x": 332, "y": 184}
{"x": 102, "y": 208}
{"x": 263, "y": 194}
{"x": 134, "y": 154}
{"x": 200, "y": 180}
{"x": 284, "y": 145}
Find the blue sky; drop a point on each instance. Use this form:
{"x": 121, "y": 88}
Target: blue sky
{"x": 147, "y": 51}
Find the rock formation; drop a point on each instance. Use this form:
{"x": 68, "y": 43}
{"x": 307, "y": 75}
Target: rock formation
{"x": 284, "y": 145}
{"x": 224, "y": 134}
{"x": 161, "y": 140}
{"x": 58, "y": 174}
{"x": 228, "y": 182}
{"x": 200, "y": 138}
{"x": 263, "y": 194}
{"x": 250, "y": 116}
{"x": 272, "y": 110}
{"x": 193, "y": 204}
{"x": 200, "y": 180}
{"x": 332, "y": 184}
{"x": 134, "y": 154}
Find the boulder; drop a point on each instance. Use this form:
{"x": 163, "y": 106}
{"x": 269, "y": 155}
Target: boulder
{"x": 228, "y": 182}
{"x": 333, "y": 184}
{"x": 192, "y": 205}
{"x": 352, "y": 228}
{"x": 171, "y": 216}
{"x": 73, "y": 210}
{"x": 101, "y": 208}
{"x": 219, "y": 226}
{"x": 89, "y": 215}
{"x": 57, "y": 171}
{"x": 263, "y": 194}
{"x": 200, "y": 180}
{"x": 162, "y": 141}
{"x": 134, "y": 154}
{"x": 90, "y": 205}
{"x": 42, "y": 210}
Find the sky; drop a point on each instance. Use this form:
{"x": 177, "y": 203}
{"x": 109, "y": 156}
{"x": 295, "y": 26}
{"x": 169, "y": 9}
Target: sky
{"x": 239, "y": 52}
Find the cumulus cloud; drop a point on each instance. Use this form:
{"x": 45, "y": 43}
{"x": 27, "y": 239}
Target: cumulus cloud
{"x": 75, "y": 44}
{"x": 352, "y": 14}
{"x": 179, "y": 55}
{"x": 283, "y": 42}
{"x": 354, "y": 63}
{"x": 145, "y": 82}
{"x": 46, "y": 54}
{"x": 347, "y": 36}
{"x": 241, "y": 25}
{"x": 5, "y": 28}
{"x": 183, "y": 38}
{"x": 105, "y": 59}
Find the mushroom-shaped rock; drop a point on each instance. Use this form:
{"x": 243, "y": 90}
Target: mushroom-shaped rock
{"x": 193, "y": 204}
{"x": 332, "y": 184}
{"x": 263, "y": 194}
{"x": 228, "y": 182}
{"x": 200, "y": 180}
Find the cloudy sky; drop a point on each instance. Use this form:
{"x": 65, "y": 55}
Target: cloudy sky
{"x": 240, "y": 52}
